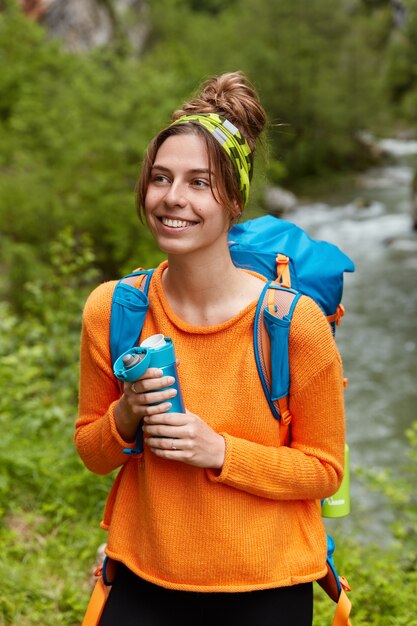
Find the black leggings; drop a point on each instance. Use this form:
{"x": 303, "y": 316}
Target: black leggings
{"x": 136, "y": 602}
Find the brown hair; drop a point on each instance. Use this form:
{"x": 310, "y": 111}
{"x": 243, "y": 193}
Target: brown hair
{"x": 234, "y": 98}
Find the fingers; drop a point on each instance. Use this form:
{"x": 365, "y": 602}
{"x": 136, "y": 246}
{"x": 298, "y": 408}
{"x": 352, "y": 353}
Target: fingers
{"x": 170, "y": 449}
{"x": 162, "y": 429}
{"x": 151, "y": 380}
{"x": 148, "y": 410}
{"x": 169, "y": 419}
{"x": 151, "y": 389}
{"x": 165, "y": 432}
{"x": 170, "y": 445}
{"x": 153, "y": 397}
{"x": 184, "y": 437}
{"x": 167, "y": 444}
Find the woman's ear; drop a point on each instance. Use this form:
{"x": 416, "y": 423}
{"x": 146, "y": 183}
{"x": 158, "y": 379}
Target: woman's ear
{"x": 236, "y": 211}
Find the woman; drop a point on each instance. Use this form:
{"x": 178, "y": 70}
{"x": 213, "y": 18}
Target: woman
{"x": 215, "y": 521}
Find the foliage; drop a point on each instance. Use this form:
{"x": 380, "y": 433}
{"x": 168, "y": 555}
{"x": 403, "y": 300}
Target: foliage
{"x": 73, "y": 133}
{"x": 383, "y": 580}
{"x": 383, "y": 586}
{"x": 49, "y": 506}
{"x": 314, "y": 69}
{"x": 403, "y": 498}
{"x": 394, "y": 33}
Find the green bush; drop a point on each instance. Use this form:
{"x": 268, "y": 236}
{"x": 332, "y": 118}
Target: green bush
{"x": 49, "y": 506}
{"x": 383, "y": 579}
{"x": 74, "y": 129}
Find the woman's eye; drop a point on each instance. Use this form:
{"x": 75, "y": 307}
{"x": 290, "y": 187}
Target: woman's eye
{"x": 159, "y": 178}
{"x": 199, "y": 182}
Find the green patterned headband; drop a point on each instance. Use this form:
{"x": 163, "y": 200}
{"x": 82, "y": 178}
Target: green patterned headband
{"x": 231, "y": 140}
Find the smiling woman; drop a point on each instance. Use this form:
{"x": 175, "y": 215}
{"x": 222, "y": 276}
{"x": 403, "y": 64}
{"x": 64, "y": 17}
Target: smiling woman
{"x": 214, "y": 506}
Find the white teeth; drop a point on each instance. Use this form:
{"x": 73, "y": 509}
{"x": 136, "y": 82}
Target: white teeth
{"x": 175, "y": 223}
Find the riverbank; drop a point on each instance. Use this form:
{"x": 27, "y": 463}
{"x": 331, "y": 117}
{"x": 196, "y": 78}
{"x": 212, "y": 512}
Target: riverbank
{"x": 369, "y": 217}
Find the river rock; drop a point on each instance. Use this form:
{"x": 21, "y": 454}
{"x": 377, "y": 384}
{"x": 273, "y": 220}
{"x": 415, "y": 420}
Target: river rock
{"x": 414, "y": 202}
{"x": 278, "y": 200}
{"x": 86, "y": 24}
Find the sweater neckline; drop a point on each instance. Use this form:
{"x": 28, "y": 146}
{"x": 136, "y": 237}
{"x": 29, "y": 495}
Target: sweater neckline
{"x": 190, "y": 328}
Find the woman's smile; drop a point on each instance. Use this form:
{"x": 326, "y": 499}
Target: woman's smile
{"x": 176, "y": 223}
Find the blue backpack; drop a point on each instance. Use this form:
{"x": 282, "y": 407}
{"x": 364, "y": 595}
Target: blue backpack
{"x": 294, "y": 264}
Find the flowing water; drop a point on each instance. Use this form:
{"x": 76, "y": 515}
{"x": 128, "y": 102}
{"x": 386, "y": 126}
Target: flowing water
{"x": 371, "y": 221}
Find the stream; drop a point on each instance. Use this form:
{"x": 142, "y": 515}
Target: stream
{"x": 370, "y": 219}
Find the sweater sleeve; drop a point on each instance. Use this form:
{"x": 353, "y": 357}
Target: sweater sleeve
{"x": 311, "y": 467}
{"x": 96, "y": 437}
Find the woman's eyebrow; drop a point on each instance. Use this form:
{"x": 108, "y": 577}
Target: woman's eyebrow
{"x": 155, "y": 166}
{"x": 196, "y": 170}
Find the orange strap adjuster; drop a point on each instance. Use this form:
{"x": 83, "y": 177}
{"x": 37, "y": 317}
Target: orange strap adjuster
{"x": 337, "y": 317}
{"x": 283, "y": 270}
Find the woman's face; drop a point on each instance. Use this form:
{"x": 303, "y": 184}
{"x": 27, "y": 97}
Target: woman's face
{"x": 180, "y": 207}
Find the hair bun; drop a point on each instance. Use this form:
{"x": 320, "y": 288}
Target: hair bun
{"x": 232, "y": 96}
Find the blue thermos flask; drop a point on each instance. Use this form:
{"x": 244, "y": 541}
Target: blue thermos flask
{"x": 156, "y": 351}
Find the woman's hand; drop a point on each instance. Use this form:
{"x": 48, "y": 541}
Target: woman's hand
{"x": 138, "y": 401}
{"x": 184, "y": 437}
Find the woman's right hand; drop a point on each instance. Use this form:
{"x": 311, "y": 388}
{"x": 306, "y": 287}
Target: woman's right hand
{"x": 140, "y": 401}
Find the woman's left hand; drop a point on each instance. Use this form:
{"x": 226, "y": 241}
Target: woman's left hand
{"x": 184, "y": 437}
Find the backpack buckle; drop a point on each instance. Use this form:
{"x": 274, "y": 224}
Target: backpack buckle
{"x": 283, "y": 270}
{"x": 336, "y": 317}
{"x": 340, "y": 313}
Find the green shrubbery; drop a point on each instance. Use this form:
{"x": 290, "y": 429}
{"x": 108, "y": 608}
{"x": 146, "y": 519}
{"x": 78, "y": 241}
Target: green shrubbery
{"x": 383, "y": 579}
{"x": 49, "y": 506}
{"x": 74, "y": 129}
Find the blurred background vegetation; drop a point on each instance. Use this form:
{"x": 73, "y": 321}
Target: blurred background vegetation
{"x": 75, "y": 119}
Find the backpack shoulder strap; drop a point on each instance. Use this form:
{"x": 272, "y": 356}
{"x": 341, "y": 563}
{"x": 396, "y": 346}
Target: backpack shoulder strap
{"x": 105, "y": 575}
{"x": 271, "y": 335}
{"x": 128, "y": 311}
{"x": 273, "y": 317}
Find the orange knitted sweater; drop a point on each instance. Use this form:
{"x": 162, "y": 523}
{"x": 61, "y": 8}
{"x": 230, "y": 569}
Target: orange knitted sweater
{"x": 255, "y": 524}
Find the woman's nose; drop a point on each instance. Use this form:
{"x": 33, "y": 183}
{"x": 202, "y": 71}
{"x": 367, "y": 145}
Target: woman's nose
{"x": 176, "y": 195}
